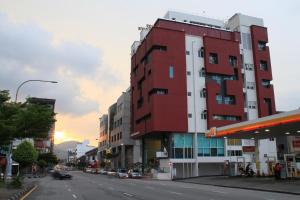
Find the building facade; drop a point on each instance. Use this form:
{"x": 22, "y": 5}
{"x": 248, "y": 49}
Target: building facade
{"x": 190, "y": 74}
{"x": 117, "y": 141}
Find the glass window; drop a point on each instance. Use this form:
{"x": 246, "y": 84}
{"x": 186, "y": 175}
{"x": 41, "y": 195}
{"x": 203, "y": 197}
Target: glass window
{"x": 261, "y": 45}
{"x": 213, "y": 58}
{"x": 220, "y": 152}
{"x": 213, "y": 142}
{"x": 219, "y": 99}
{"x": 263, "y": 65}
{"x": 171, "y": 72}
{"x": 233, "y": 61}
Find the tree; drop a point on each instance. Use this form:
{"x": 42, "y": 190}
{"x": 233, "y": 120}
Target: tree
{"x": 23, "y": 120}
{"x": 8, "y": 113}
{"x": 49, "y": 158}
{"x": 25, "y": 154}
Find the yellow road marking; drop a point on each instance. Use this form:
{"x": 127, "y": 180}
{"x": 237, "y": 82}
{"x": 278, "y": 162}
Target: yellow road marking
{"x": 28, "y": 193}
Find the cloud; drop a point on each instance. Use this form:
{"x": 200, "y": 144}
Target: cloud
{"x": 29, "y": 52}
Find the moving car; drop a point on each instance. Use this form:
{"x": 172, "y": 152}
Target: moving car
{"x": 112, "y": 172}
{"x": 61, "y": 175}
{"x": 122, "y": 173}
{"x": 134, "y": 173}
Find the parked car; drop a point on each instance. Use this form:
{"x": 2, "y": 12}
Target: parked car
{"x": 103, "y": 171}
{"x": 122, "y": 173}
{"x": 134, "y": 173}
{"x": 88, "y": 170}
{"x": 61, "y": 175}
{"x": 112, "y": 172}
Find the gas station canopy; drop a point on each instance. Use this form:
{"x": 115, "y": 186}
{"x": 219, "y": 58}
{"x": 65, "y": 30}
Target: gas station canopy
{"x": 286, "y": 123}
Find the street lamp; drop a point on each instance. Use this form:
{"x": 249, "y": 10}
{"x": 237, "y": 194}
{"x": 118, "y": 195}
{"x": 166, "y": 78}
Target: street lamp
{"x": 45, "y": 81}
{"x": 9, "y": 159}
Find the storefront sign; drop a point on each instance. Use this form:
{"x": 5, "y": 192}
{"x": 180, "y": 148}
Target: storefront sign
{"x": 248, "y": 149}
{"x": 296, "y": 143}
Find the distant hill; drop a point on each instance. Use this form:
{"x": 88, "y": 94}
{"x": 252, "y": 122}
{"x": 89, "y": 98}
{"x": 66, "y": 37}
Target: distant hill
{"x": 61, "y": 150}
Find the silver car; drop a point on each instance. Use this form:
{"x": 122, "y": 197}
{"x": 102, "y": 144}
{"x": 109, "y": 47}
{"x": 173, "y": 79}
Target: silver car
{"x": 134, "y": 173}
{"x": 122, "y": 173}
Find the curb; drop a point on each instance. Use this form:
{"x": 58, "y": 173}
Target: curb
{"x": 22, "y": 194}
{"x": 244, "y": 188}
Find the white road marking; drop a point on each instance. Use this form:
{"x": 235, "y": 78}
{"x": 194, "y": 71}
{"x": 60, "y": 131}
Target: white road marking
{"x": 178, "y": 193}
{"x": 218, "y": 191}
{"x": 110, "y": 188}
{"x": 100, "y": 184}
{"x": 74, "y": 196}
{"x": 69, "y": 190}
{"x": 149, "y": 187}
{"x": 130, "y": 195}
{"x": 187, "y": 187}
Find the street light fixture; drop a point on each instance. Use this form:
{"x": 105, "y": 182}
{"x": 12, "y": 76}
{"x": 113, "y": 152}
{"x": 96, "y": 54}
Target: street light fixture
{"x": 35, "y": 80}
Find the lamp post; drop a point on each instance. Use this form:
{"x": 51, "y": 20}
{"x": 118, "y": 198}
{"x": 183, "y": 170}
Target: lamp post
{"x": 35, "y": 80}
{"x": 9, "y": 159}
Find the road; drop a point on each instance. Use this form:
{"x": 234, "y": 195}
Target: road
{"x": 85, "y": 186}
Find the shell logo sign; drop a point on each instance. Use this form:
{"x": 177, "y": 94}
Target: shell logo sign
{"x": 212, "y": 132}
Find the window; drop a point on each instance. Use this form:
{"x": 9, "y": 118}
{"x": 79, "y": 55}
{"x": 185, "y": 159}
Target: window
{"x": 189, "y": 94}
{"x": 269, "y": 105}
{"x": 266, "y": 83}
{"x": 233, "y": 61}
{"x": 190, "y": 115}
{"x": 229, "y": 99}
{"x": 234, "y": 142}
{"x": 219, "y": 99}
{"x": 188, "y": 73}
{"x": 210, "y": 146}
{"x": 213, "y": 58}
{"x": 140, "y": 102}
{"x": 226, "y": 117}
{"x": 171, "y": 72}
{"x": 203, "y": 93}
{"x": 204, "y": 114}
{"x": 202, "y": 72}
{"x": 201, "y": 52}
{"x": 263, "y": 65}
{"x": 248, "y": 66}
{"x": 252, "y": 104}
{"x": 250, "y": 85}
{"x": 234, "y": 153}
{"x": 158, "y": 91}
{"x": 182, "y": 146}
{"x": 187, "y": 52}
{"x": 261, "y": 45}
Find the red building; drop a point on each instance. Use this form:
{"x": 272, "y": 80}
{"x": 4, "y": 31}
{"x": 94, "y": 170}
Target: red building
{"x": 191, "y": 73}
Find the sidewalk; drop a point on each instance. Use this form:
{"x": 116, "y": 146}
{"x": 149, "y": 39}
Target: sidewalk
{"x": 252, "y": 183}
{"x": 6, "y": 193}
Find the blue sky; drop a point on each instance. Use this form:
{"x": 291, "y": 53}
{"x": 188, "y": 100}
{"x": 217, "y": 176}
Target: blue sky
{"x": 85, "y": 45}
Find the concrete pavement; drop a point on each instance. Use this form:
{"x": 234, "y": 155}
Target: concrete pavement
{"x": 254, "y": 183}
{"x": 85, "y": 186}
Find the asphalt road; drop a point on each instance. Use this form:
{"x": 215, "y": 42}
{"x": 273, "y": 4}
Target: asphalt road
{"x": 85, "y": 186}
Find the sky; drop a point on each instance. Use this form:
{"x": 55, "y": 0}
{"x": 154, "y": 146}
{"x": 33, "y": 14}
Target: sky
{"x": 85, "y": 46}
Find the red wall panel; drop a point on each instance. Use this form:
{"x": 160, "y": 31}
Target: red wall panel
{"x": 260, "y": 34}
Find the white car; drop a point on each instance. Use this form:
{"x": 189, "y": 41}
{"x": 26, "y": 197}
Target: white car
{"x": 122, "y": 173}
